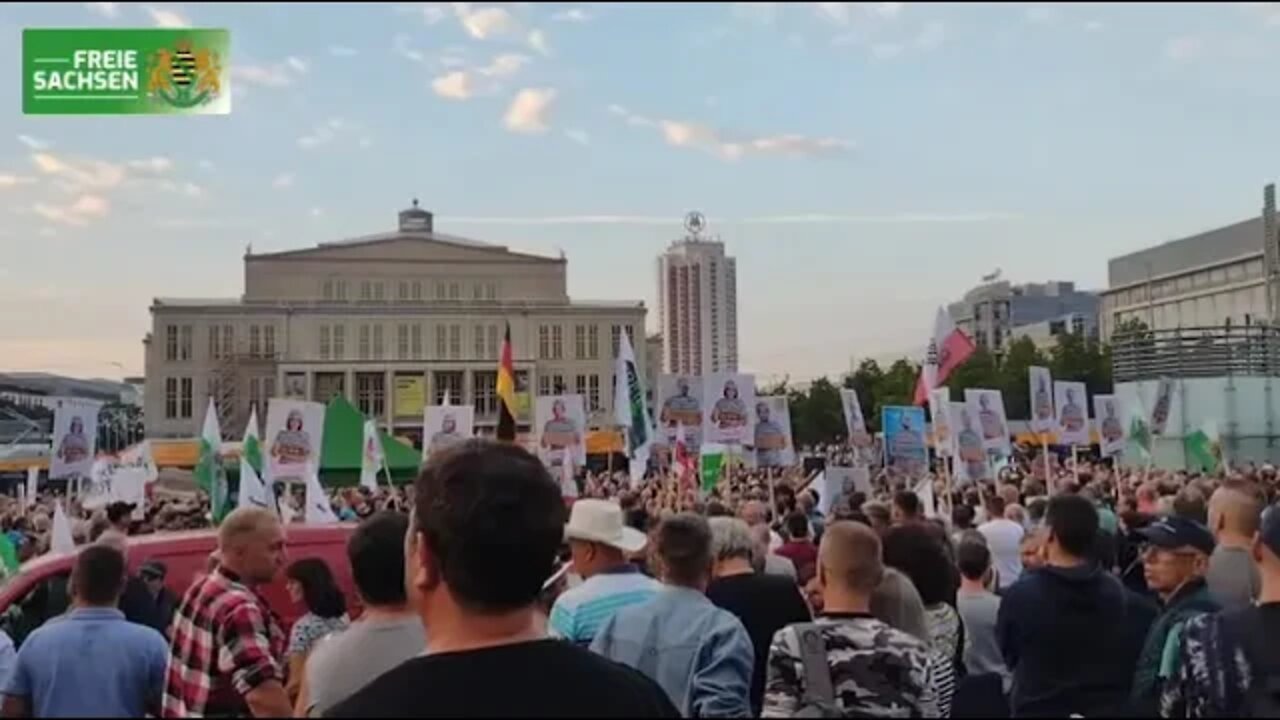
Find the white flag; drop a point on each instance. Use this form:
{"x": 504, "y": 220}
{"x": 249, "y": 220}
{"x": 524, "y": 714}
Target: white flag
{"x": 630, "y": 410}
{"x": 33, "y": 485}
{"x": 319, "y": 511}
{"x": 371, "y": 457}
{"x": 924, "y": 491}
{"x": 253, "y": 492}
{"x": 568, "y": 486}
{"x": 61, "y": 540}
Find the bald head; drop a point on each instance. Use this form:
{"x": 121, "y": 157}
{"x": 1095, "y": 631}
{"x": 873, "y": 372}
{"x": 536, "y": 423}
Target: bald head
{"x": 242, "y": 525}
{"x": 116, "y": 540}
{"x": 754, "y": 513}
{"x": 849, "y": 558}
{"x": 1235, "y": 509}
{"x": 251, "y": 544}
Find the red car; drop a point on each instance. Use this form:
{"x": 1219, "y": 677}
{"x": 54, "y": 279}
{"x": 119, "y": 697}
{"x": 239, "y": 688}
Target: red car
{"x": 39, "y": 591}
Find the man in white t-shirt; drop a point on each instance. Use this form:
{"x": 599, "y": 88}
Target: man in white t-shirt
{"x": 1004, "y": 539}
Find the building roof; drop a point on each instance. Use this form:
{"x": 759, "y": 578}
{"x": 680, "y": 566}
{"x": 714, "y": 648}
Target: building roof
{"x": 1207, "y": 248}
{"x": 400, "y": 236}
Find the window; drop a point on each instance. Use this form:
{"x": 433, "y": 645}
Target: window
{"x": 557, "y": 383}
{"x": 215, "y": 338}
{"x": 442, "y": 342}
{"x": 615, "y": 336}
{"x": 228, "y": 341}
{"x": 184, "y": 343}
{"x": 404, "y": 290}
{"x": 544, "y": 342}
{"x": 327, "y": 292}
{"x": 184, "y": 409}
{"x": 269, "y": 341}
{"x": 339, "y": 341}
{"x": 440, "y": 291}
{"x": 593, "y": 393}
{"x": 171, "y": 398}
{"x": 371, "y": 394}
{"x": 402, "y": 342}
{"x": 340, "y": 290}
{"x": 557, "y": 342}
{"x": 364, "y": 342}
{"x": 417, "y": 291}
{"x": 378, "y": 289}
{"x": 486, "y": 388}
{"x": 416, "y": 351}
{"x": 593, "y": 342}
{"x": 491, "y": 291}
{"x": 326, "y": 349}
{"x": 378, "y": 347}
{"x": 449, "y": 381}
{"x": 477, "y": 292}
{"x": 544, "y": 384}
{"x": 255, "y": 340}
{"x": 479, "y": 342}
{"x": 455, "y": 342}
{"x": 366, "y": 290}
{"x": 455, "y": 291}
{"x": 580, "y": 341}
{"x": 493, "y": 342}
{"x": 329, "y": 385}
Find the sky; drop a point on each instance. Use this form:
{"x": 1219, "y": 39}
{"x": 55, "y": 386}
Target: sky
{"x": 864, "y": 162}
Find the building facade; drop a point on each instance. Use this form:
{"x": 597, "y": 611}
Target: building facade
{"x": 698, "y": 304}
{"x": 990, "y": 312}
{"x": 1045, "y": 334}
{"x": 392, "y": 322}
{"x": 1204, "y": 280}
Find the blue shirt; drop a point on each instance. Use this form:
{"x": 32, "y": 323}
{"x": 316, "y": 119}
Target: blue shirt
{"x": 579, "y": 612}
{"x": 8, "y": 658}
{"x": 90, "y": 662}
{"x": 700, "y": 654}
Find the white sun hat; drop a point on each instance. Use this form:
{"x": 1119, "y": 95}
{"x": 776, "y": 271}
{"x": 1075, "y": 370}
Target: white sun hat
{"x": 600, "y": 521}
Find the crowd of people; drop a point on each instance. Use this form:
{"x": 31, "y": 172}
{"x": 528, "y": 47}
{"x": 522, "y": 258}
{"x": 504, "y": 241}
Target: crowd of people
{"x": 1058, "y": 589}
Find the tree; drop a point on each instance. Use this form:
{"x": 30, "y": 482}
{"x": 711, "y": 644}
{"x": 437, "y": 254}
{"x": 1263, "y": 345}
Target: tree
{"x": 979, "y": 371}
{"x": 1014, "y": 382}
{"x": 867, "y": 382}
{"x": 816, "y": 415}
{"x": 1082, "y": 359}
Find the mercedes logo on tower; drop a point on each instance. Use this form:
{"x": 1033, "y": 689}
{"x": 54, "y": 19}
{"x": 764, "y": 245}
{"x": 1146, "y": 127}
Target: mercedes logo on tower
{"x": 695, "y": 222}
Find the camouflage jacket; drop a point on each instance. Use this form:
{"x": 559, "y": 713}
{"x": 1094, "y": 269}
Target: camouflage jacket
{"x": 876, "y": 671}
{"x": 1212, "y": 674}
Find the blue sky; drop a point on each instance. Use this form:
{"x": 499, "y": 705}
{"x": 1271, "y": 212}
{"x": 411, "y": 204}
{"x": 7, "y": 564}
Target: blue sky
{"x": 865, "y": 162}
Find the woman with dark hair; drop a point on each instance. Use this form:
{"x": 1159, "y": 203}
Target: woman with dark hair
{"x": 310, "y": 582}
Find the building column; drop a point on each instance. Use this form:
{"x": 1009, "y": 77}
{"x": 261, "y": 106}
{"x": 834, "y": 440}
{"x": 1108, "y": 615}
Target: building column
{"x": 389, "y": 395}
{"x": 468, "y": 388}
{"x": 349, "y": 386}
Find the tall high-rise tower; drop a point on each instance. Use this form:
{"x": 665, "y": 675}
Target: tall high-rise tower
{"x": 698, "y": 303}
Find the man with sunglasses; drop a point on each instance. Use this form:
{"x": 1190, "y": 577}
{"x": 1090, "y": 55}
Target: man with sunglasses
{"x": 1175, "y": 559}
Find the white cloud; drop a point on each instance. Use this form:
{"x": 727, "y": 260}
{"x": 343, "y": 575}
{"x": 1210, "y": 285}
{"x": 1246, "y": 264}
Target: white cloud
{"x": 8, "y": 180}
{"x": 205, "y": 165}
{"x": 192, "y": 190}
{"x": 33, "y": 143}
{"x": 326, "y": 132}
{"x": 759, "y": 13}
{"x": 538, "y": 41}
{"x": 579, "y": 136}
{"x": 505, "y": 65}
{"x": 366, "y": 142}
{"x": 430, "y": 12}
{"x": 282, "y": 181}
{"x": 693, "y": 135}
{"x": 152, "y": 164}
{"x": 298, "y": 64}
{"x": 456, "y": 85}
{"x": 90, "y": 205}
{"x": 77, "y": 213}
{"x": 1267, "y": 12}
{"x": 1041, "y": 15}
{"x": 886, "y": 51}
{"x": 400, "y": 45}
{"x": 528, "y": 112}
{"x": 485, "y": 23}
{"x": 574, "y": 15}
{"x": 931, "y": 36}
{"x": 105, "y": 9}
{"x": 1186, "y": 47}
{"x": 164, "y": 18}
{"x": 277, "y": 75}
{"x": 887, "y": 10}
{"x": 342, "y": 51}
{"x": 317, "y": 212}
{"x": 79, "y": 174}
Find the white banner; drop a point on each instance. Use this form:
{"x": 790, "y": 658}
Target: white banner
{"x": 727, "y": 399}
{"x": 971, "y": 453}
{"x": 772, "y": 442}
{"x": 860, "y": 439}
{"x": 560, "y": 423}
{"x": 75, "y": 437}
{"x": 1110, "y": 414}
{"x": 445, "y": 425}
{"x": 1071, "y": 400}
{"x": 988, "y": 408}
{"x": 294, "y": 436}
{"x": 1160, "y": 411}
{"x": 940, "y": 414}
{"x": 680, "y": 403}
{"x": 1043, "y": 419}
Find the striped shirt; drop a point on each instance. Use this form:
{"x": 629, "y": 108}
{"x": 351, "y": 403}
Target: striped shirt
{"x": 578, "y": 613}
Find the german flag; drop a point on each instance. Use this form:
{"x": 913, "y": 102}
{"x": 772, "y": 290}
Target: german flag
{"x": 506, "y": 392}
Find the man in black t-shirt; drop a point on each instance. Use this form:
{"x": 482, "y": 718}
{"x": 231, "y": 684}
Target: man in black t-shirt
{"x": 486, "y": 523}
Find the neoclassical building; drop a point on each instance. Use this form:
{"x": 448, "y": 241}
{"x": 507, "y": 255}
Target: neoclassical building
{"x": 391, "y": 321}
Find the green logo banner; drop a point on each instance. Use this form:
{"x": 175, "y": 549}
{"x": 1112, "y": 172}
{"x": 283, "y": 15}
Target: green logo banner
{"x": 85, "y": 71}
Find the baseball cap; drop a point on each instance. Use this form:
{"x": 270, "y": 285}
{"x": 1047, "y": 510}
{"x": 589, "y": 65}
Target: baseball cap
{"x": 152, "y": 570}
{"x": 1175, "y": 531}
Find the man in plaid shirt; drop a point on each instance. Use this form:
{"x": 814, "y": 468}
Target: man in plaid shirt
{"x": 226, "y": 654}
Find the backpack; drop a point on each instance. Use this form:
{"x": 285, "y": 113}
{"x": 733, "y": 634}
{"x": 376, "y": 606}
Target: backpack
{"x": 819, "y": 699}
{"x": 1262, "y": 699}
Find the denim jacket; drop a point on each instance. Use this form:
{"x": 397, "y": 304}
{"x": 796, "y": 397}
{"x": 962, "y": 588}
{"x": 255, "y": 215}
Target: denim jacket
{"x": 700, "y": 655}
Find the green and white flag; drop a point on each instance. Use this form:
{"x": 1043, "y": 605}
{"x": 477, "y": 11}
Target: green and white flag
{"x": 371, "y": 459}
{"x": 253, "y": 492}
{"x": 209, "y": 475}
{"x": 629, "y": 405}
{"x": 1204, "y": 447}
{"x": 1140, "y": 430}
{"x": 8, "y": 557}
{"x": 711, "y": 466}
